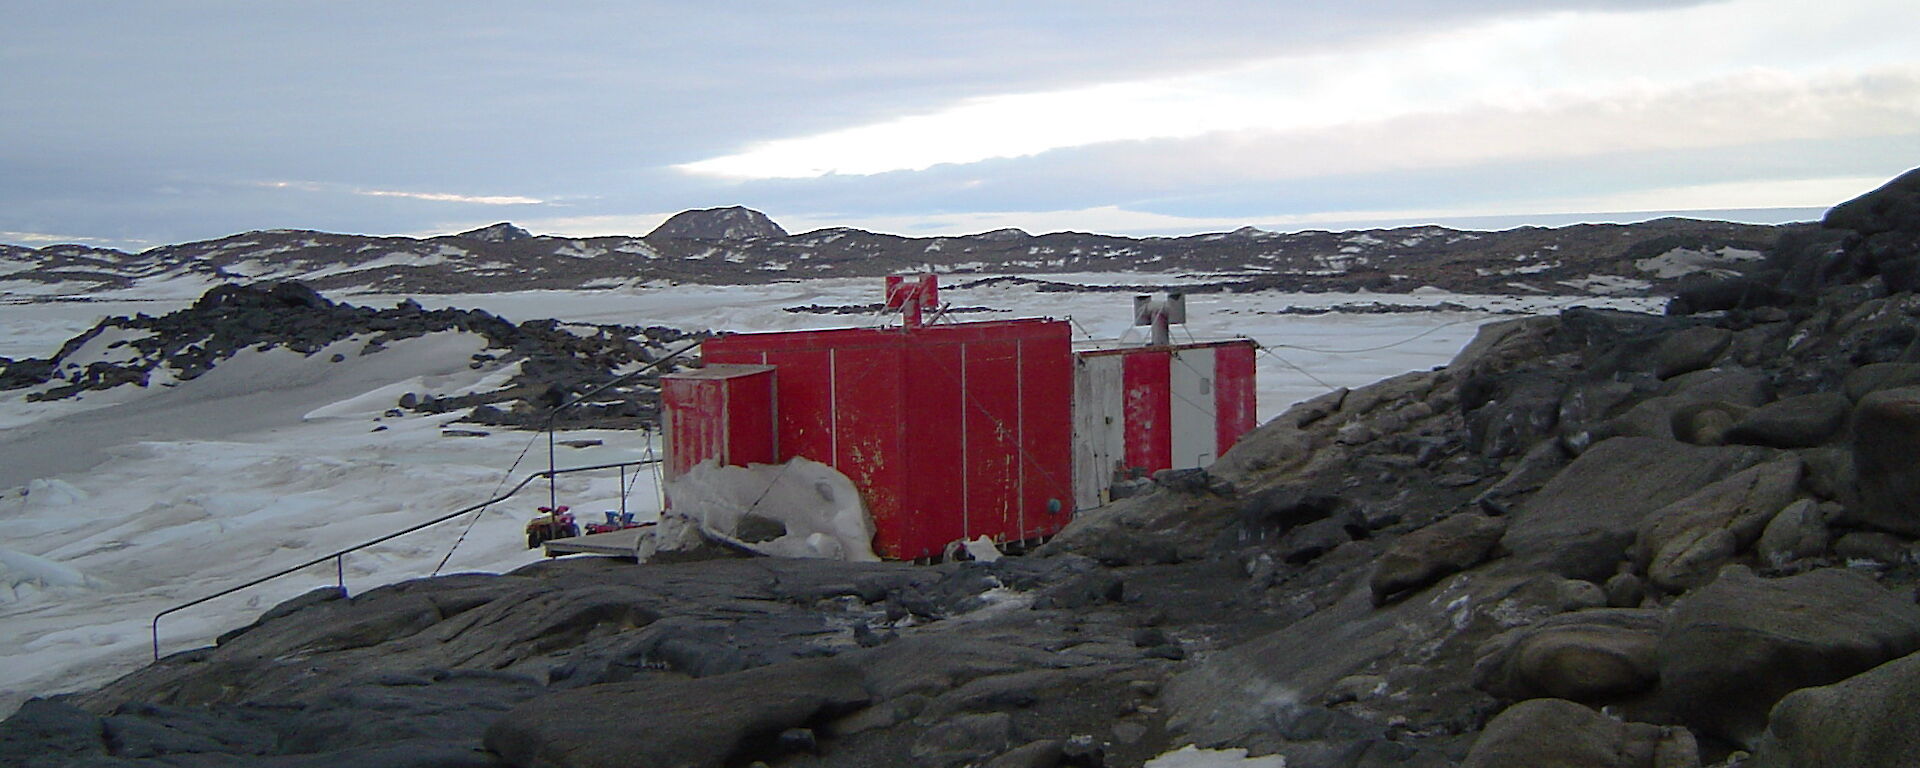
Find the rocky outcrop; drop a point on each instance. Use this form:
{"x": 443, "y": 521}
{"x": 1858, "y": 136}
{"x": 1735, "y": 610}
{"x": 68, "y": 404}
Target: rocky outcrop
{"x": 1865, "y": 721}
{"x": 1886, "y": 440}
{"x": 1553, "y": 732}
{"x": 1735, "y": 647}
{"x": 700, "y": 723}
{"x": 553, "y": 362}
{"x": 503, "y": 232}
{"x": 1596, "y": 657}
{"x": 732, "y": 223}
{"x": 1425, "y": 556}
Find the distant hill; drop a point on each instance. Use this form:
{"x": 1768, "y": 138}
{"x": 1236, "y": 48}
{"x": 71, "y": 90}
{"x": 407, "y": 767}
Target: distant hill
{"x": 738, "y": 245}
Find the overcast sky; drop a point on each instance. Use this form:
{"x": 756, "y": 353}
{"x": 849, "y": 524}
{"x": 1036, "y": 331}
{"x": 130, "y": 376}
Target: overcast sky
{"x": 134, "y": 124}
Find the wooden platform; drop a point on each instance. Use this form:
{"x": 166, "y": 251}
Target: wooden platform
{"x": 617, "y": 543}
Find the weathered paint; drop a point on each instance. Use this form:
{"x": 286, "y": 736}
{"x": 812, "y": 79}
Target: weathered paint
{"x": 721, "y": 412}
{"x": 949, "y": 431}
{"x": 1148, "y": 410}
{"x": 1099, "y": 437}
{"x": 1233, "y": 394}
{"x": 1190, "y": 408}
{"x": 1152, "y": 408}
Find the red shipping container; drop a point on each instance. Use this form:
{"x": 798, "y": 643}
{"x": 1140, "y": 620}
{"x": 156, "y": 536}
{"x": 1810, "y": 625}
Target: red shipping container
{"x": 949, "y": 432}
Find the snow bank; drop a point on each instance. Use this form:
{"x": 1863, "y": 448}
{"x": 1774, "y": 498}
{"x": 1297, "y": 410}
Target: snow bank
{"x": 20, "y": 571}
{"x": 1194, "y": 757}
{"x": 819, "y": 506}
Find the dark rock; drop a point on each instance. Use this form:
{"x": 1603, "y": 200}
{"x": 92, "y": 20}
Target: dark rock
{"x": 1271, "y": 512}
{"x": 1157, "y": 528}
{"x": 1593, "y": 657}
{"x": 1729, "y": 384}
{"x": 1734, "y": 647}
{"x": 1683, "y": 544}
{"x": 1830, "y": 473}
{"x": 503, "y": 232}
{"x": 1624, "y": 590}
{"x": 1508, "y": 413}
{"x": 1083, "y": 752}
{"x": 1563, "y": 734}
{"x": 1886, "y": 438}
{"x": 1706, "y": 423}
{"x": 1864, "y": 721}
{"x": 1169, "y": 651}
{"x": 1799, "y": 531}
{"x": 1689, "y": 350}
{"x": 50, "y": 730}
{"x": 1582, "y": 522}
{"x": 1739, "y": 292}
{"x": 712, "y": 721}
{"x": 1310, "y": 541}
{"x": 1871, "y": 378}
{"x": 1045, "y": 753}
{"x": 964, "y": 739}
{"x": 1094, "y": 587}
{"x": 1893, "y": 207}
{"x": 1438, "y": 550}
{"x": 1870, "y": 546}
{"x": 1794, "y": 422}
{"x": 730, "y": 223}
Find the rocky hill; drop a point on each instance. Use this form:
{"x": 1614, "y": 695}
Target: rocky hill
{"x": 551, "y": 363}
{"x": 737, "y": 245}
{"x": 1600, "y": 539}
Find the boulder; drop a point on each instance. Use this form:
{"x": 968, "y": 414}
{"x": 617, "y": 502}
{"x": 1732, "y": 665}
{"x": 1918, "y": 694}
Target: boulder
{"x": 1656, "y": 416}
{"x": 1438, "y": 550}
{"x": 1794, "y": 422}
{"x": 712, "y": 721}
{"x": 1797, "y": 532}
{"x": 1507, "y": 413}
{"x": 1592, "y": 656}
{"x": 1581, "y": 523}
{"x": 1734, "y": 647}
{"x": 1869, "y": 546}
{"x": 1873, "y": 377}
{"x": 1893, "y": 207}
{"x": 1555, "y": 733}
{"x": 1683, "y": 544}
{"x": 1624, "y": 590}
{"x": 1886, "y": 438}
{"x": 1864, "y": 721}
{"x": 1705, "y": 423}
{"x": 1689, "y": 350}
{"x": 1160, "y": 527}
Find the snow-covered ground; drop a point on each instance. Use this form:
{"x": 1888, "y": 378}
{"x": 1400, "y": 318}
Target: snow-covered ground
{"x": 128, "y": 502}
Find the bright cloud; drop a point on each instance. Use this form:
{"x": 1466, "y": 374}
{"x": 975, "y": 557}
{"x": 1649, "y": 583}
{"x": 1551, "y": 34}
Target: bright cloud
{"x": 1636, "y": 205}
{"x": 438, "y": 197}
{"x": 1627, "y": 69}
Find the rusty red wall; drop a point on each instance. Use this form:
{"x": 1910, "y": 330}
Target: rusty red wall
{"x": 949, "y": 431}
{"x": 723, "y": 413}
{"x": 1233, "y": 393}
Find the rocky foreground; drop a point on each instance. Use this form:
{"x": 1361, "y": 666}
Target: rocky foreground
{"x": 1597, "y": 539}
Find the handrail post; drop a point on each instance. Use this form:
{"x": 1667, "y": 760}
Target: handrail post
{"x": 339, "y": 557}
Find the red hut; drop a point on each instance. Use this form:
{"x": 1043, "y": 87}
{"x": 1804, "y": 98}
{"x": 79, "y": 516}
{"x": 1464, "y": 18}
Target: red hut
{"x": 954, "y": 431}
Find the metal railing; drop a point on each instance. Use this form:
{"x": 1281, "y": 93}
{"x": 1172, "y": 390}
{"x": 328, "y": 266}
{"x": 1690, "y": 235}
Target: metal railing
{"x": 339, "y": 558}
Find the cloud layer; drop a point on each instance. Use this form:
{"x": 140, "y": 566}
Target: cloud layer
{"x": 141, "y": 125}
